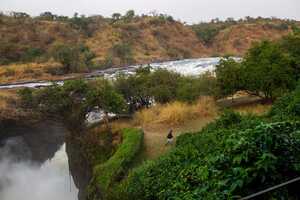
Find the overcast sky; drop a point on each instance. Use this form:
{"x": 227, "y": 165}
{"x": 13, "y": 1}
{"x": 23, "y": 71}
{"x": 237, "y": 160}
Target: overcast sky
{"x": 190, "y": 11}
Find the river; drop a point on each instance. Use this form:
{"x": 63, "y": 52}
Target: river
{"x": 185, "y": 67}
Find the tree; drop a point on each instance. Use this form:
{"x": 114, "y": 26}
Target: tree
{"x": 129, "y": 15}
{"x": 123, "y": 51}
{"x": 67, "y": 56}
{"x": 104, "y": 96}
{"x": 163, "y": 85}
{"x": 74, "y": 100}
{"x": 190, "y": 89}
{"x": 26, "y": 97}
{"x": 47, "y": 16}
{"x": 291, "y": 46}
{"x": 268, "y": 71}
{"x": 206, "y": 32}
{"x": 19, "y": 15}
{"x": 135, "y": 89}
{"x": 229, "y": 77}
{"x": 73, "y": 57}
{"x": 116, "y": 17}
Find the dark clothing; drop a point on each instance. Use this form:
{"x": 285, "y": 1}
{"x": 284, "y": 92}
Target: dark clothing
{"x": 170, "y": 135}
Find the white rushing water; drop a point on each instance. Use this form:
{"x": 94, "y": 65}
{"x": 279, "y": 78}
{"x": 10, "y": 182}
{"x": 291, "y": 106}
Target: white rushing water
{"x": 185, "y": 67}
{"x": 24, "y": 180}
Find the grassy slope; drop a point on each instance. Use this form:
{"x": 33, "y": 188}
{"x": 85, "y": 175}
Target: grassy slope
{"x": 106, "y": 174}
{"x": 237, "y": 39}
{"x": 149, "y": 41}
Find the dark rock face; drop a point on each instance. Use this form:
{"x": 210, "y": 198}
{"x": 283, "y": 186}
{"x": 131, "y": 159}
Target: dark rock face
{"x": 79, "y": 166}
{"x": 36, "y": 142}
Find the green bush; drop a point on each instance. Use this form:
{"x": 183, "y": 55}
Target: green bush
{"x": 287, "y": 106}
{"x": 163, "y": 86}
{"x": 222, "y": 164}
{"x": 124, "y": 52}
{"x": 31, "y": 54}
{"x": 109, "y": 173}
{"x": 26, "y": 97}
{"x": 206, "y": 32}
{"x": 73, "y": 57}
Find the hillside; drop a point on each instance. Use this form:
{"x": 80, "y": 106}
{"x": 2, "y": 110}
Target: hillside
{"x": 98, "y": 42}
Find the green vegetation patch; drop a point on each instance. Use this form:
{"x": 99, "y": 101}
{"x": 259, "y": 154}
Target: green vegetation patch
{"x": 224, "y": 161}
{"x": 112, "y": 171}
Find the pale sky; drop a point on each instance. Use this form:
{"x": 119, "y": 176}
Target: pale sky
{"x": 191, "y": 11}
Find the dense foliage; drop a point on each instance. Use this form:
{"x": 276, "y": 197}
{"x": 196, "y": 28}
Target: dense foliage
{"x": 163, "y": 86}
{"x": 229, "y": 77}
{"x": 73, "y": 100}
{"x": 287, "y": 107}
{"x": 269, "y": 69}
{"x": 222, "y": 162}
{"x": 106, "y": 174}
{"x": 73, "y": 57}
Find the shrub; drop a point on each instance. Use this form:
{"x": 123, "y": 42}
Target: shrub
{"x": 190, "y": 89}
{"x": 124, "y": 52}
{"x": 229, "y": 77}
{"x": 31, "y": 54}
{"x": 222, "y": 164}
{"x": 73, "y": 57}
{"x": 206, "y": 32}
{"x": 26, "y": 97}
{"x": 268, "y": 70}
{"x": 229, "y": 118}
{"x": 287, "y": 106}
{"x": 9, "y": 72}
{"x": 109, "y": 173}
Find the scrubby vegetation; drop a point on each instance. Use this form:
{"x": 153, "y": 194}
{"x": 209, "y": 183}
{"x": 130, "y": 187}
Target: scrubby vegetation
{"x": 89, "y": 42}
{"x": 163, "y": 86}
{"x": 74, "y": 58}
{"x": 209, "y": 30}
{"x": 269, "y": 70}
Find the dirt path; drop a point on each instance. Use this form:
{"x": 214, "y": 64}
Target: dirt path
{"x": 155, "y": 136}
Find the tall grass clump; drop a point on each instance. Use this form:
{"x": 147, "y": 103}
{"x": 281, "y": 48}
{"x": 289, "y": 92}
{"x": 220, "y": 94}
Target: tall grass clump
{"x": 177, "y": 113}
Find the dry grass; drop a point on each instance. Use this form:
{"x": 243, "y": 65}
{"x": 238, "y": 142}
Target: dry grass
{"x": 257, "y": 109}
{"x": 26, "y": 72}
{"x": 8, "y": 105}
{"x": 176, "y": 113}
{"x": 6, "y": 97}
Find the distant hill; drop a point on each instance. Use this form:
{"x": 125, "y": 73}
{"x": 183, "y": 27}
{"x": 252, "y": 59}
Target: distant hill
{"x": 128, "y": 39}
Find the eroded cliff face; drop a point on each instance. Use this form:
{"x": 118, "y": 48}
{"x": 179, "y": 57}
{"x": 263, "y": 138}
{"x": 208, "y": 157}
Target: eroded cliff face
{"x": 86, "y": 149}
{"x": 79, "y": 165}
